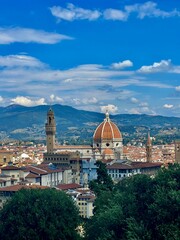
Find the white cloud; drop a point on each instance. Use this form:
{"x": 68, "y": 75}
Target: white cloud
{"x": 162, "y": 66}
{"x": 115, "y": 14}
{"x": 92, "y": 100}
{"x": 142, "y": 110}
{"x": 85, "y": 86}
{"x": 54, "y": 98}
{"x": 59, "y": 99}
{"x": 84, "y": 101}
{"x": 110, "y": 108}
{"x": 143, "y": 104}
{"x": 168, "y": 106}
{"x": 72, "y": 13}
{"x": 177, "y": 88}
{"x": 141, "y": 10}
{"x": 76, "y": 101}
{"x": 27, "y": 35}
{"x": 133, "y": 111}
{"x": 20, "y": 61}
{"x": 68, "y": 80}
{"x": 1, "y": 99}
{"x": 134, "y": 100}
{"x": 26, "y": 101}
{"x": 123, "y": 64}
{"x": 149, "y": 9}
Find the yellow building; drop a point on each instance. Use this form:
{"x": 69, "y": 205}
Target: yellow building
{"x": 5, "y": 156}
{"x": 85, "y": 203}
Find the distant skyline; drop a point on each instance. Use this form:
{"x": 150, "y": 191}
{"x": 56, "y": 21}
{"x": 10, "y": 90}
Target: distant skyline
{"x": 123, "y": 54}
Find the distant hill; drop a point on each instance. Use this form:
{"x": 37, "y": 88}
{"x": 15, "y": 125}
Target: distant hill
{"x": 27, "y": 123}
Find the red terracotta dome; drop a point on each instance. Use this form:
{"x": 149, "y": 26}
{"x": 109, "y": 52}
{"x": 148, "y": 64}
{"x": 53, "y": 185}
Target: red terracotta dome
{"x": 107, "y": 130}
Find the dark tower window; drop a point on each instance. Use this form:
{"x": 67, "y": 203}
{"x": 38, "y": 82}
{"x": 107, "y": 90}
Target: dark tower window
{"x": 49, "y": 120}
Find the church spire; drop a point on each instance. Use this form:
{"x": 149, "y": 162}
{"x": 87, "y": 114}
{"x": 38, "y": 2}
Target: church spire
{"x": 149, "y": 142}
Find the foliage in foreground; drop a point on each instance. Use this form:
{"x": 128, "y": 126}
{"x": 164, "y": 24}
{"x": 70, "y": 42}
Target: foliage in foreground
{"x": 103, "y": 182}
{"x": 39, "y": 214}
{"x": 139, "y": 208}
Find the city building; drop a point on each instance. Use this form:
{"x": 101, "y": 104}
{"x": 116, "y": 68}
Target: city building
{"x": 119, "y": 169}
{"x": 88, "y": 171}
{"x": 107, "y": 143}
{"x": 44, "y": 175}
{"x": 6, "y": 156}
{"x": 84, "y": 199}
{"x": 107, "y": 147}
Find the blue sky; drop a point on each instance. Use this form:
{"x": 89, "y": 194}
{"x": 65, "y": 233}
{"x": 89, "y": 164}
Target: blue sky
{"x": 123, "y": 55}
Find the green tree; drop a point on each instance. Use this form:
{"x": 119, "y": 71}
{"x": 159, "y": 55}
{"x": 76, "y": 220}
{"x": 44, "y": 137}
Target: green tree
{"x": 39, "y": 214}
{"x": 103, "y": 182}
{"x": 139, "y": 207}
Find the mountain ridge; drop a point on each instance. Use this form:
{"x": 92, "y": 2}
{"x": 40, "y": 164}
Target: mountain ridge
{"x": 21, "y": 122}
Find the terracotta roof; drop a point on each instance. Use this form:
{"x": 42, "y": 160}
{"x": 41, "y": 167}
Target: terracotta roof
{"x": 133, "y": 165}
{"x": 36, "y": 170}
{"x": 145, "y": 164}
{"x": 68, "y": 186}
{"x": 5, "y": 151}
{"x": 108, "y": 151}
{"x": 107, "y": 130}
{"x": 86, "y": 196}
{"x": 119, "y": 166}
{"x": 32, "y": 175}
{"x": 125, "y": 150}
{"x": 58, "y": 152}
{"x": 10, "y": 168}
{"x": 15, "y": 188}
{"x": 48, "y": 168}
{"x": 73, "y": 147}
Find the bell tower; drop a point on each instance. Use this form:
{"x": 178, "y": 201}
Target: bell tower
{"x": 149, "y": 148}
{"x": 50, "y": 131}
{"x": 177, "y": 151}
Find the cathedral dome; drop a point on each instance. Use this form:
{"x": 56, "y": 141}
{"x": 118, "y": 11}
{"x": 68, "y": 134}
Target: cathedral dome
{"x": 107, "y": 130}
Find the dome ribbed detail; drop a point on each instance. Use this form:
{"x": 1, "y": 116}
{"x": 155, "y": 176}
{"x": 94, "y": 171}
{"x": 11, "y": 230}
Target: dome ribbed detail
{"x": 107, "y": 130}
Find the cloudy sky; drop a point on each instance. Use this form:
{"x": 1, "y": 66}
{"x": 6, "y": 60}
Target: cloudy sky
{"x": 90, "y": 54}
